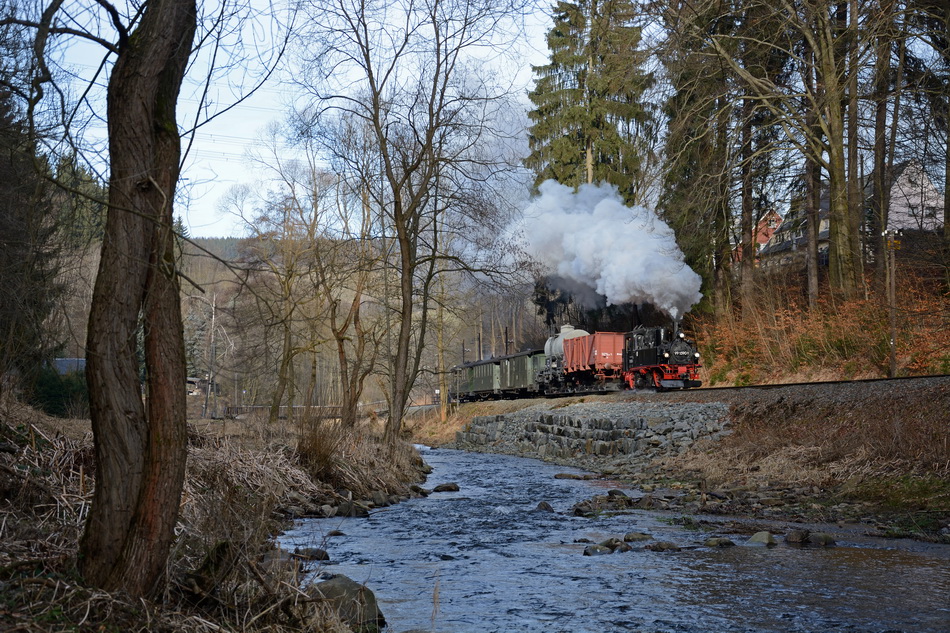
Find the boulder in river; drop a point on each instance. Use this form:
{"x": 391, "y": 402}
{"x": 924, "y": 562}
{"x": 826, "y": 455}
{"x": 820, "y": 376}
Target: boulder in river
{"x": 450, "y": 487}
{"x": 821, "y": 538}
{"x": 719, "y": 541}
{"x": 612, "y": 543}
{"x": 544, "y": 506}
{"x": 762, "y": 538}
{"x": 663, "y": 546}
{"x": 354, "y": 603}
{"x": 597, "y": 550}
{"x": 797, "y": 536}
{"x": 632, "y": 537}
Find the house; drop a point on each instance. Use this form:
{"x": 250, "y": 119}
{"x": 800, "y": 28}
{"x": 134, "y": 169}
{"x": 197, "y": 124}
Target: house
{"x": 915, "y": 206}
{"x": 915, "y": 203}
{"x": 764, "y": 230}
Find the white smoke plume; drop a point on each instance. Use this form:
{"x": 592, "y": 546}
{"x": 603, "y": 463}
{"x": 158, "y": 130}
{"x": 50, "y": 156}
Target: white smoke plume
{"x": 626, "y": 253}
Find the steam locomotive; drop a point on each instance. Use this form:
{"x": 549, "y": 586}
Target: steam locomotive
{"x": 574, "y": 361}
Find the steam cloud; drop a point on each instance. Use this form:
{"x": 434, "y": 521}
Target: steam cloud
{"x": 626, "y": 253}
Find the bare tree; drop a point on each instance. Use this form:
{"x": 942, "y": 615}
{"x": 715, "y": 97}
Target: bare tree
{"x": 318, "y": 265}
{"x": 412, "y": 73}
{"x": 140, "y": 445}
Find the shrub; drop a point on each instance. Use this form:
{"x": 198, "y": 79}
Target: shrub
{"x": 61, "y": 395}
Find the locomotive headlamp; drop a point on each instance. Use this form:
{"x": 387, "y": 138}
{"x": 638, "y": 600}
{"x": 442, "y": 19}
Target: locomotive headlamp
{"x": 696, "y": 354}
{"x": 682, "y": 335}
{"x": 666, "y": 354}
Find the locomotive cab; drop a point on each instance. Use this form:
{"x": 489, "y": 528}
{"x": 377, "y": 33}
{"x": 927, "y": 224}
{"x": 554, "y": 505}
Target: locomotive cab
{"x": 660, "y": 358}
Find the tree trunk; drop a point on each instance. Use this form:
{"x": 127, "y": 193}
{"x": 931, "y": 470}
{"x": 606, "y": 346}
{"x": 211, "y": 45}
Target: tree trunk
{"x": 812, "y": 187}
{"x": 880, "y": 198}
{"x": 855, "y": 188}
{"x": 843, "y": 271}
{"x": 283, "y": 372}
{"x": 140, "y": 449}
{"x": 401, "y": 382}
{"x": 747, "y": 219}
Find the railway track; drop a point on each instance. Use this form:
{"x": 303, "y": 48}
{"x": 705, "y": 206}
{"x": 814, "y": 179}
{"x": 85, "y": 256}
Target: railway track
{"x": 822, "y": 383}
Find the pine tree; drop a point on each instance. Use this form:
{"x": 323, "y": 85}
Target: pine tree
{"x": 28, "y": 253}
{"x": 588, "y": 114}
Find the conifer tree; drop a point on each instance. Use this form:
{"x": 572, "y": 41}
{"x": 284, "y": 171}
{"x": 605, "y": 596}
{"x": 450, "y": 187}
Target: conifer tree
{"x": 588, "y": 113}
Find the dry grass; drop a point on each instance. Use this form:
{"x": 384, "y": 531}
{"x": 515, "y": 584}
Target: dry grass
{"x": 355, "y": 459}
{"x": 887, "y": 444}
{"x": 228, "y": 505}
{"x": 779, "y": 340}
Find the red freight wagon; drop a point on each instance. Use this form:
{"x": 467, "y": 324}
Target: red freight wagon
{"x": 600, "y": 353}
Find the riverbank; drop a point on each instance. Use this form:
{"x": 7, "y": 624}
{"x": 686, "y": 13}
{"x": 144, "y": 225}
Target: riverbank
{"x": 245, "y": 482}
{"x": 874, "y": 454}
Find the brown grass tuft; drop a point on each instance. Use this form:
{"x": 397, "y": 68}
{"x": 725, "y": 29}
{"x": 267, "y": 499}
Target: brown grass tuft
{"x": 228, "y": 512}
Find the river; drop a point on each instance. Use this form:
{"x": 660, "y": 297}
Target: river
{"x": 482, "y": 560}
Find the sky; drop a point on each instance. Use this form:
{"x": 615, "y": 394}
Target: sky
{"x": 218, "y": 158}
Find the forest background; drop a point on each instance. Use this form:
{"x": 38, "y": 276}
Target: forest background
{"x": 377, "y": 254}
{"x": 714, "y": 115}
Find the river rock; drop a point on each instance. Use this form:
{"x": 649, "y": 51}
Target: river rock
{"x": 301, "y": 505}
{"x": 450, "y": 487}
{"x": 612, "y": 543}
{"x": 719, "y": 541}
{"x": 597, "y": 550}
{"x": 351, "y": 509}
{"x": 544, "y": 506}
{"x": 335, "y": 533}
{"x": 419, "y": 491}
{"x": 379, "y": 498}
{"x": 796, "y": 537}
{"x": 821, "y": 538}
{"x": 279, "y": 560}
{"x": 311, "y": 553}
{"x": 762, "y": 538}
{"x": 646, "y": 502}
{"x": 663, "y": 546}
{"x": 354, "y": 603}
{"x": 633, "y": 537}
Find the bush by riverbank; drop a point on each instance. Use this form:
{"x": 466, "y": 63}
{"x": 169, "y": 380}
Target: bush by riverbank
{"x": 241, "y": 487}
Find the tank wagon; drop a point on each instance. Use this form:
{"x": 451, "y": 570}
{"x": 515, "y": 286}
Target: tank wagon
{"x": 575, "y": 361}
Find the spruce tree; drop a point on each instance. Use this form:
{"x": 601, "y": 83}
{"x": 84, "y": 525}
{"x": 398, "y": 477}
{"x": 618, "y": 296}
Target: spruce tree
{"x": 28, "y": 253}
{"x": 589, "y": 114}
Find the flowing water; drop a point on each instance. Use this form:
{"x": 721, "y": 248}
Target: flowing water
{"x": 482, "y": 560}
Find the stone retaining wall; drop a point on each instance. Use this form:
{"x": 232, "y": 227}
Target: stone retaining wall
{"x": 640, "y": 431}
